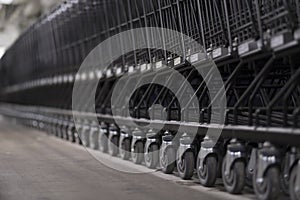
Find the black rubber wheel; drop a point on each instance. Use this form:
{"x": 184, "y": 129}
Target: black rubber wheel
{"x": 284, "y": 184}
{"x": 56, "y": 132}
{"x": 78, "y": 139}
{"x": 137, "y": 155}
{"x": 125, "y": 149}
{"x": 86, "y": 138}
{"x": 66, "y": 135}
{"x": 208, "y": 175}
{"x": 61, "y": 133}
{"x": 53, "y": 130}
{"x": 167, "y": 161}
{"x": 234, "y": 182}
{"x": 103, "y": 144}
{"x": 248, "y": 181}
{"x": 152, "y": 156}
{"x": 186, "y": 166}
{"x": 71, "y": 135}
{"x": 94, "y": 138}
{"x": 293, "y": 178}
{"x": 269, "y": 189}
{"x": 113, "y": 146}
{"x": 284, "y": 181}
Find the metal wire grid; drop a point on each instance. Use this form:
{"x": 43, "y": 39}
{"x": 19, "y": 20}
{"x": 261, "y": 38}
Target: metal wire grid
{"x": 73, "y": 32}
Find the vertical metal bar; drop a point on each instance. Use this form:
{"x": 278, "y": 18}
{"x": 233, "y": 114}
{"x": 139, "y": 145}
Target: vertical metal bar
{"x": 228, "y": 25}
{"x": 131, "y": 27}
{"x": 147, "y": 30}
{"x": 181, "y": 30}
{"x": 259, "y": 22}
{"x": 201, "y": 25}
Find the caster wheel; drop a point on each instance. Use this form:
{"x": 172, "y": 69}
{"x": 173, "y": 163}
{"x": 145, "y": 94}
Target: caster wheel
{"x": 152, "y": 156}
{"x": 66, "y": 136}
{"x": 125, "y": 149}
{"x": 56, "y": 133}
{"x": 113, "y": 146}
{"x": 284, "y": 180}
{"x": 78, "y": 139}
{"x": 270, "y": 187}
{"x": 208, "y": 175}
{"x": 249, "y": 182}
{"x": 85, "y": 139}
{"x": 186, "y": 165}
{"x": 71, "y": 136}
{"x": 61, "y": 133}
{"x": 103, "y": 144}
{"x": 234, "y": 182}
{"x": 138, "y": 154}
{"x": 284, "y": 184}
{"x": 293, "y": 177}
{"x": 94, "y": 140}
{"x": 167, "y": 162}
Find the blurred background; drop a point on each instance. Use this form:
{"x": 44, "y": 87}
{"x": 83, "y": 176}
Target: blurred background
{"x": 17, "y": 15}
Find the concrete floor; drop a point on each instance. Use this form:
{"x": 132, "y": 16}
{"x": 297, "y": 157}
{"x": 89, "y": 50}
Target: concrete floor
{"x": 35, "y": 166}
